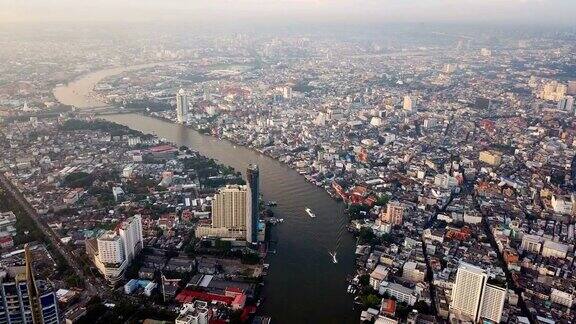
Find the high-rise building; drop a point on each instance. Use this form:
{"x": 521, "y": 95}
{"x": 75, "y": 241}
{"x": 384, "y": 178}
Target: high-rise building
{"x": 253, "y": 179}
{"x": 571, "y": 88}
{"x": 229, "y": 207}
{"x": 23, "y": 299}
{"x": 407, "y": 104}
{"x": 181, "y": 106}
{"x": 110, "y": 248}
{"x": 113, "y": 251}
{"x": 493, "y": 303}
{"x": 287, "y": 92}
{"x": 473, "y": 298}
{"x": 131, "y": 233}
{"x": 566, "y": 104}
{"x": 468, "y": 290}
{"x": 235, "y": 211}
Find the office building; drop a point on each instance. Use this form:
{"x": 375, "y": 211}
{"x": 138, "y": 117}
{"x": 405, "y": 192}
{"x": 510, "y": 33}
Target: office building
{"x": 181, "y": 106}
{"x": 252, "y": 179}
{"x": 473, "y": 298}
{"x": 467, "y": 291}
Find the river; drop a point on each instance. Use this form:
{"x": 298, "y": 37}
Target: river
{"x": 303, "y": 284}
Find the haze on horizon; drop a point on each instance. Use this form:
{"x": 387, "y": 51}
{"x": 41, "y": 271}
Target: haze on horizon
{"x": 531, "y": 12}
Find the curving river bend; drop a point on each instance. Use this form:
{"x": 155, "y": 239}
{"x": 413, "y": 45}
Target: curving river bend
{"x": 303, "y": 285}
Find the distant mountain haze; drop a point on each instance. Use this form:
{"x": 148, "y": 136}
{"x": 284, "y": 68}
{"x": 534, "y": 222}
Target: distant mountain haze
{"x": 290, "y": 11}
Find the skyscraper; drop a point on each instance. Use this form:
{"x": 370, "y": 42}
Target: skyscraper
{"x": 474, "y": 298}
{"x": 252, "y": 179}
{"x": 23, "y": 299}
{"x": 182, "y": 106}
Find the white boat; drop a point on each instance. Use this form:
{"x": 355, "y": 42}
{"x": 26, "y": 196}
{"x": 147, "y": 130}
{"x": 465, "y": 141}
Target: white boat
{"x": 309, "y": 212}
{"x": 333, "y": 255}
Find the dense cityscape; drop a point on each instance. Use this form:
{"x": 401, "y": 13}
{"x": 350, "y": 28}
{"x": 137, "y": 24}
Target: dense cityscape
{"x": 410, "y": 173}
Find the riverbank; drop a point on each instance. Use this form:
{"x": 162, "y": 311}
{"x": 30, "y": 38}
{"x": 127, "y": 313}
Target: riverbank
{"x": 302, "y": 270}
{"x": 328, "y": 188}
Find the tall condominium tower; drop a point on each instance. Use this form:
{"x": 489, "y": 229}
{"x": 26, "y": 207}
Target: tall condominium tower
{"x": 252, "y": 179}
{"x": 113, "y": 251}
{"x": 131, "y": 233}
{"x": 473, "y": 298}
{"x": 182, "y": 106}
{"x": 229, "y": 208}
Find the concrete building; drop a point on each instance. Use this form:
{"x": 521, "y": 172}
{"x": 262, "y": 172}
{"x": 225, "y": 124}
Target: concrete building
{"x": 394, "y": 213}
{"x": 467, "y": 292}
{"x": 566, "y": 104}
{"x": 532, "y": 243}
{"x": 230, "y": 209}
{"x": 413, "y": 271}
{"x": 491, "y": 157}
{"x": 401, "y": 293}
{"x": 131, "y": 233}
{"x": 407, "y": 104}
{"x": 196, "y": 313}
{"x": 493, "y": 303}
{"x": 554, "y": 249}
{"x": 182, "y": 106}
{"x": 110, "y": 248}
{"x": 253, "y": 212}
{"x": 23, "y": 299}
{"x": 562, "y": 298}
{"x": 473, "y": 298}
{"x": 113, "y": 251}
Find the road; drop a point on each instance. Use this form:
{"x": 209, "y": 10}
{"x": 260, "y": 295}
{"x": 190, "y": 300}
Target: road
{"x": 72, "y": 263}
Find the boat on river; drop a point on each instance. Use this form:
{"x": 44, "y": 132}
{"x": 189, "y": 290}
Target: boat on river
{"x": 309, "y": 212}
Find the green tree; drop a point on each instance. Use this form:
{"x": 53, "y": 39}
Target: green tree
{"x": 370, "y": 301}
{"x": 366, "y": 236}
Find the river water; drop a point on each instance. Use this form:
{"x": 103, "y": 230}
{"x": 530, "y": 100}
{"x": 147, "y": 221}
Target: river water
{"x": 303, "y": 284}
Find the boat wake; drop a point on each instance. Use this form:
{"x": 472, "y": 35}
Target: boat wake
{"x": 333, "y": 255}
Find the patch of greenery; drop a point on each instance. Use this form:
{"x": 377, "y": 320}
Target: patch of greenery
{"x": 98, "y": 125}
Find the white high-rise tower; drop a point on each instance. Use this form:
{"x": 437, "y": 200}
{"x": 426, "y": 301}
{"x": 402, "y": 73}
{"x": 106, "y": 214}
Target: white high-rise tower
{"x": 182, "y": 106}
{"x": 473, "y": 298}
{"x": 131, "y": 233}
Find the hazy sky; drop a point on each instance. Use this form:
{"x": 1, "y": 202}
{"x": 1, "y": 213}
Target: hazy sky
{"x": 246, "y": 11}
